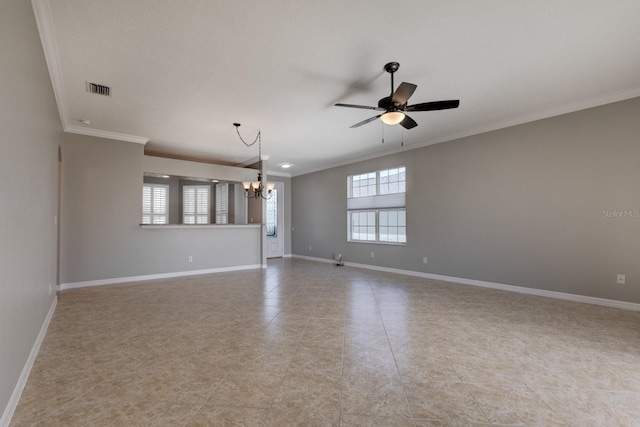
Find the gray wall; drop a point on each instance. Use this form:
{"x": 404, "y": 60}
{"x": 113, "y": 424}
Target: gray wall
{"x": 101, "y": 237}
{"x": 31, "y": 134}
{"x": 533, "y": 205}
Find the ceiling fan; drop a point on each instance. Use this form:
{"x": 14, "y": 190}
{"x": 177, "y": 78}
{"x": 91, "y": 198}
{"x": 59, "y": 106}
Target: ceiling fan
{"x": 395, "y": 106}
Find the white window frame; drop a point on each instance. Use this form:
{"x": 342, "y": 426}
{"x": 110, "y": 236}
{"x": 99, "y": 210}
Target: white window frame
{"x": 359, "y": 203}
{"x": 198, "y": 217}
{"x": 154, "y": 208}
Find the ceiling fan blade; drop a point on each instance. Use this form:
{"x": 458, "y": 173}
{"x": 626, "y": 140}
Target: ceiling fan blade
{"x": 408, "y": 122}
{"x": 436, "y": 105}
{"x": 366, "y": 107}
{"x": 403, "y": 93}
{"x": 364, "y": 122}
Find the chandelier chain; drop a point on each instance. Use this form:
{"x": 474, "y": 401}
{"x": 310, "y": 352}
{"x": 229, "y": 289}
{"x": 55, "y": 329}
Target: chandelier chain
{"x": 257, "y": 139}
{"x": 258, "y": 189}
{"x": 249, "y": 144}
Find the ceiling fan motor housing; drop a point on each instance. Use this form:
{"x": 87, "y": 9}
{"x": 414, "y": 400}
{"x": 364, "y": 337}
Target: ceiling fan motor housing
{"x": 385, "y": 103}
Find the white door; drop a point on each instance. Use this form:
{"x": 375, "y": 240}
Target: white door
{"x": 275, "y": 222}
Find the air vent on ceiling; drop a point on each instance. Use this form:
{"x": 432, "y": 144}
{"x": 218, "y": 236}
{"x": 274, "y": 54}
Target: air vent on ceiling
{"x": 98, "y": 89}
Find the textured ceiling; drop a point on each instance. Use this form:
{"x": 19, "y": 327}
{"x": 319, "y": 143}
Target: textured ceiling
{"x": 181, "y": 72}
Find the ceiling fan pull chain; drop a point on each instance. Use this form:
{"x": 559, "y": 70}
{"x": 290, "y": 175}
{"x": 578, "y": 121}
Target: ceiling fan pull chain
{"x": 401, "y": 137}
{"x": 382, "y": 127}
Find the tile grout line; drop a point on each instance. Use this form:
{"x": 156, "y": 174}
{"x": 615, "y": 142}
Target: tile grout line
{"x": 284, "y": 376}
{"x": 545, "y": 403}
{"x": 344, "y": 348}
{"x": 395, "y": 362}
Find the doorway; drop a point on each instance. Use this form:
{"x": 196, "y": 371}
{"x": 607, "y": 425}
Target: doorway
{"x": 275, "y": 222}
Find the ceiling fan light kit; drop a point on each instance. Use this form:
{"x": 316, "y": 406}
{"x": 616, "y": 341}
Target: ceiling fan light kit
{"x": 395, "y": 106}
{"x": 392, "y": 117}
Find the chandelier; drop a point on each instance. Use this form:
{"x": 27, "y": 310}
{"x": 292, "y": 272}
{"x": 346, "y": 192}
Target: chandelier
{"x": 256, "y": 189}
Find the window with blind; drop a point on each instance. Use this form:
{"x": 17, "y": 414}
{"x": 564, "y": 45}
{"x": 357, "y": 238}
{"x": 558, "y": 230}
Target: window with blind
{"x": 376, "y": 207}
{"x": 195, "y": 204}
{"x": 155, "y": 204}
{"x": 222, "y": 203}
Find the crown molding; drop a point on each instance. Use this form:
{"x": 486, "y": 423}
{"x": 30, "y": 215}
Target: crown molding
{"x": 42, "y": 13}
{"x": 278, "y": 173}
{"x": 106, "y": 134}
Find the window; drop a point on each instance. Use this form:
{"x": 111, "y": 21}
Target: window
{"x": 376, "y": 207}
{"x": 155, "y": 204}
{"x": 195, "y": 204}
{"x": 363, "y": 225}
{"x": 393, "y": 226}
{"x": 363, "y": 185}
{"x": 222, "y": 203}
{"x": 392, "y": 181}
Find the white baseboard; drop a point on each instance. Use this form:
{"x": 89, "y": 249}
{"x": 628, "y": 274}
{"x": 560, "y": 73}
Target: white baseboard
{"x": 24, "y": 376}
{"x": 325, "y": 260}
{"x": 511, "y": 288}
{"x": 286, "y": 256}
{"x": 116, "y": 280}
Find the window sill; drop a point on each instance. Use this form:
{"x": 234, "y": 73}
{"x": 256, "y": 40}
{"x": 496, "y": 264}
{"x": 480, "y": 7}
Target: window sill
{"x": 378, "y": 243}
{"x": 193, "y": 226}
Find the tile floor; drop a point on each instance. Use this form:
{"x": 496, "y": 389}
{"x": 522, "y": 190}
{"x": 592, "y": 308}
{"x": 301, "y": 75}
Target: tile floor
{"x": 305, "y": 343}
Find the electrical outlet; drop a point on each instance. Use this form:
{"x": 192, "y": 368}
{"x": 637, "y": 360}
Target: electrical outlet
{"x": 621, "y": 279}
{"x": 424, "y": 260}
{"x": 190, "y": 258}
{"x": 371, "y": 254}
{"x": 309, "y": 248}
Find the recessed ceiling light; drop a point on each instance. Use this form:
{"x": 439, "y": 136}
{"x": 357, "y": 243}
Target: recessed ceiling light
{"x": 286, "y": 165}
{"x": 165, "y": 176}
{"x": 214, "y": 180}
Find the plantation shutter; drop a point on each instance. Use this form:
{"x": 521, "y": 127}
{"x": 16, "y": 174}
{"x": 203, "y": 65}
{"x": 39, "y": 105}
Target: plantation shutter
{"x": 155, "y": 204}
{"x": 195, "y": 204}
{"x": 222, "y": 203}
